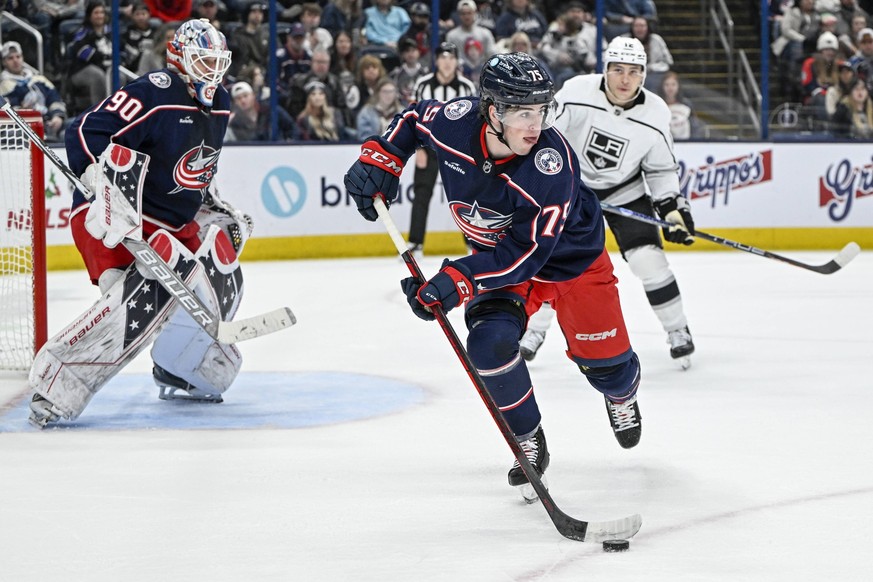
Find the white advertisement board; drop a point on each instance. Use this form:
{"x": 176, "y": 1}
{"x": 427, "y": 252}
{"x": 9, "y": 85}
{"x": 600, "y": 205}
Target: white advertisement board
{"x": 297, "y": 190}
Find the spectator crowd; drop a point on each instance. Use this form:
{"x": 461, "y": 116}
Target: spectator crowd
{"x": 345, "y": 67}
{"x": 824, "y": 55}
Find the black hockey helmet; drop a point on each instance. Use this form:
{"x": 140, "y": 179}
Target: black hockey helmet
{"x": 515, "y": 79}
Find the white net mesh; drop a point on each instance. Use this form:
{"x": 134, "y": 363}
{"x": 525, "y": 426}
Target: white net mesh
{"x": 16, "y": 249}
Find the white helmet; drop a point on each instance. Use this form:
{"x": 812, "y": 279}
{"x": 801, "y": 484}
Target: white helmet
{"x": 198, "y": 54}
{"x": 624, "y": 49}
{"x": 629, "y": 51}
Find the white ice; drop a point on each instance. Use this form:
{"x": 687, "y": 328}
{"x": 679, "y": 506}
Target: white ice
{"x": 754, "y": 465}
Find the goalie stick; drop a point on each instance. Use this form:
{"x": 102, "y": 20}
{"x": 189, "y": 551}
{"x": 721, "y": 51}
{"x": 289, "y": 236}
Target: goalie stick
{"x": 226, "y": 332}
{"x": 848, "y": 252}
{"x": 569, "y": 527}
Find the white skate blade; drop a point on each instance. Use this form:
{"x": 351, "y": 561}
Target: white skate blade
{"x": 42, "y": 412}
{"x": 175, "y": 393}
{"x": 684, "y": 362}
{"x": 528, "y": 493}
{"x": 38, "y": 421}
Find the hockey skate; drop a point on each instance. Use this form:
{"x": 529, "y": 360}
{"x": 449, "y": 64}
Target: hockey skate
{"x": 530, "y": 343}
{"x": 42, "y": 412}
{"x": 537, "y": 453}
{"x": 174, "y": 388}
{"x": 626, "y": 421}
{"x": 681, "y": 346}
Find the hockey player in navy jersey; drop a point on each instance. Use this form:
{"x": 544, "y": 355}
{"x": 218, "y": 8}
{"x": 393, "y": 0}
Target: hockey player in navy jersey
{"x": 150, "y": 152}
{"x": 621, "y": 133}
{"x": 513, "y": 187}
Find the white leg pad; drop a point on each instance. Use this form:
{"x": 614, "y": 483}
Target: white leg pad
{"x": 183, "y": 349}
{"x": 76, "y": 363}
{"x": 649, "y": 264}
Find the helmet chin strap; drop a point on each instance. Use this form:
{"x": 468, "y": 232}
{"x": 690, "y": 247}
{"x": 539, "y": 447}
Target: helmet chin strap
{"x": 499, "y": 134}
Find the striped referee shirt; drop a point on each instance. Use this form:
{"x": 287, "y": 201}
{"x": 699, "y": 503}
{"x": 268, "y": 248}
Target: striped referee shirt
{"x": 429, "y": 87}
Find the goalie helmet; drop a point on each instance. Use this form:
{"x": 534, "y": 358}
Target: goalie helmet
{"x": 198, "y": 54}
{"x": 515, "y": 79}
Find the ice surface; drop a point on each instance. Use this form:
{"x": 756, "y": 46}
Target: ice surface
{"x": 755, "y": 464}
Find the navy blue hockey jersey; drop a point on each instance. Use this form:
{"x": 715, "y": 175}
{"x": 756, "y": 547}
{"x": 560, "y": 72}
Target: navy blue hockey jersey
{"x": 155, "y": 115}
{"x": 533, "y": 213}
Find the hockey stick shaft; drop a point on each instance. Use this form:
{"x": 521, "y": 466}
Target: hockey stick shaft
{"x": 567, "y": 526}
{"x": 846, "y": 254}
{"x": 227, "y": 332}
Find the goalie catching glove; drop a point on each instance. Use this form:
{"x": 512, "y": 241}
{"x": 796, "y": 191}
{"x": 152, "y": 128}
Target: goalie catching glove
{"x": 115, "y": 182}
{"x": 237, "y": 225}
{"x": 452, "y": 286}
{"x": 375, "y": 173}
{"x": 677, "y": 211}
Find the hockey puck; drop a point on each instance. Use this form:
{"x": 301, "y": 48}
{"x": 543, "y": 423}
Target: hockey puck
{"x": 616, "y": 545}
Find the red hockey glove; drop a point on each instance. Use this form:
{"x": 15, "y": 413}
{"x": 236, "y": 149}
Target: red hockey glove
{"x": 454, "y": 285}
{"x": 376, "y": 173}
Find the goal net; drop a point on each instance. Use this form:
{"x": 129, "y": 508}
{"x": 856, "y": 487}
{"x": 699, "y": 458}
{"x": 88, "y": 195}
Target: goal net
{"x": 22, "y": 244}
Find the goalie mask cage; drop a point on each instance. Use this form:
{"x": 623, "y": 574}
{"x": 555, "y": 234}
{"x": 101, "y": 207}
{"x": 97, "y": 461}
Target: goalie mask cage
{"x": 22, "y": 244}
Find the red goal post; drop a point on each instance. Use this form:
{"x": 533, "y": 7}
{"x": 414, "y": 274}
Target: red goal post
{"x": 23, "y": 317}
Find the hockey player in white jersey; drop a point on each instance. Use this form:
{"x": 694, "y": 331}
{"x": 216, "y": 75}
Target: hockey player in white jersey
{"x": 621, "y": 133}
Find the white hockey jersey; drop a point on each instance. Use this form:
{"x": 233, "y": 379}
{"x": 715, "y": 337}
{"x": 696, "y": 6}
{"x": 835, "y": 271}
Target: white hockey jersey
{"x": 620, "y": 150}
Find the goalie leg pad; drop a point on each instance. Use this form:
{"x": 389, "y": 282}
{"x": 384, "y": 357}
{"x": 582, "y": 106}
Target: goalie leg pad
{"x": 75, "y": 364}
{"x": 649, "y": 264}
{"x": 190, "y": 364}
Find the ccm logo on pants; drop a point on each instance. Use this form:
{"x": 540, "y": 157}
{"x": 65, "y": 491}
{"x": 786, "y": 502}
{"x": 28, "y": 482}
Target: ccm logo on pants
{"x": 593, "y": 337}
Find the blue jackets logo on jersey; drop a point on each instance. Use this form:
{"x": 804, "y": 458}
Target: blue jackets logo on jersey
{"x": 549, "y": 161}
{"x": 457, "y": 109}
{"x": 160, "y": 80}
{"x": 195, "y": 168}
{"x": 481, "y": 225}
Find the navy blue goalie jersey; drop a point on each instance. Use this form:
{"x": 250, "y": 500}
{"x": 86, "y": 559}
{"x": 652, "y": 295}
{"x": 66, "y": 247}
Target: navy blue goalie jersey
{"x": 530, "y": 216}
{"x": 155, "y": 115}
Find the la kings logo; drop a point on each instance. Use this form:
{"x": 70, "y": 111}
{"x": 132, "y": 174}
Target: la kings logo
{"x": 603, "y": 150}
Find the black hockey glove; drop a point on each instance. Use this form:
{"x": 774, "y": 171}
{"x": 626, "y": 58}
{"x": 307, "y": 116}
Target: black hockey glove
{"x": 452, "y": 286}
{"x": 677, "y": 211}
{"x": 377, "y": 172}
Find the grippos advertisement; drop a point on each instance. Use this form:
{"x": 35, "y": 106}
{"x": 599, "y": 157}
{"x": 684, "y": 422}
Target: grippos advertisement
{"x": 298, "y": 190}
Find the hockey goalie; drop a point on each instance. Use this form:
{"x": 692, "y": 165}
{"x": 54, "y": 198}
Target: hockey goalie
{"x": 147, "y": 156}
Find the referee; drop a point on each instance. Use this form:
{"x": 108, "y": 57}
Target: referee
{"x": 444, "y": 84}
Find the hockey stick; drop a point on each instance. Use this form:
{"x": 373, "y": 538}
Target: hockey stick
{"x": 567, "y": 526}
{"x": 226, "y": 332}
{"x": 848, "y": 252}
